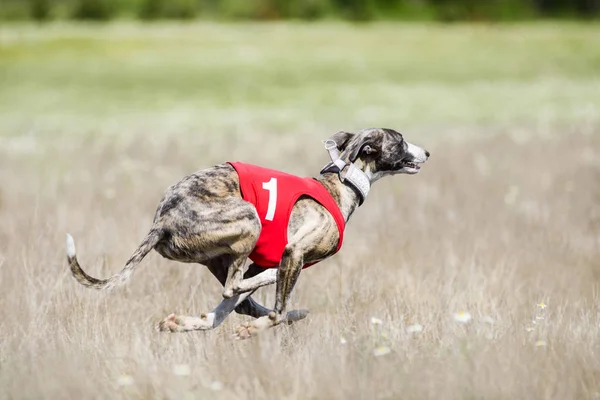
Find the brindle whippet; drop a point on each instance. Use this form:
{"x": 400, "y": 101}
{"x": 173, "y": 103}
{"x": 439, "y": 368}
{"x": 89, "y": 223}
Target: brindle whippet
{"x": 203, "y": 219}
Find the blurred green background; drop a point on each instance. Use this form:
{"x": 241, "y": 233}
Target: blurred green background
{"x": 358, "y": 10}
{"x": 125, "y": 79}
{"x": 129, "y": 79}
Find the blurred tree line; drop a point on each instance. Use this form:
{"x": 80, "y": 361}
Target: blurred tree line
{"x": 356, "y": 10}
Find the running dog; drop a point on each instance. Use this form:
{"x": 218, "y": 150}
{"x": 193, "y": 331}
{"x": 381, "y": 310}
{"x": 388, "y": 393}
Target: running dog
{"x": 222, "y": 215}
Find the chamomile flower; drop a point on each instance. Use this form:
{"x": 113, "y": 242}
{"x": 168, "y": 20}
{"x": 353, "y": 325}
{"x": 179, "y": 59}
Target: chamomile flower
{"x": 125, "y": 380}
{"x": 415, "y": 328}
{"x": 181, "y": 370}
{"x": 381, "y": 351}
{"x": 462, "y": 316}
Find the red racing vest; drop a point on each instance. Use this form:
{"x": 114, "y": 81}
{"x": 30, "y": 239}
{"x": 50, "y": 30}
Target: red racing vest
{"x": 273, "y": 194}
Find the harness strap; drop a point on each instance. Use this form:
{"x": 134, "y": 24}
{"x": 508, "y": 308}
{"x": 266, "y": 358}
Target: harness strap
{"x": 354, "y": 175}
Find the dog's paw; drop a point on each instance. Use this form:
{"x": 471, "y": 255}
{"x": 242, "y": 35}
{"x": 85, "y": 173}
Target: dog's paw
{"x": 243, "y": 331}
{"x": 170, "y": 324}
{"x": 249, "y": 329}
{"x": 182, "y": 323}
{"x": 253, "y": 328}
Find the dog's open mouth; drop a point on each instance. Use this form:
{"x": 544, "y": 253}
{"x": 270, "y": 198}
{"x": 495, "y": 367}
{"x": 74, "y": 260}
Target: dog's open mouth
{"x": 411, "y": 165}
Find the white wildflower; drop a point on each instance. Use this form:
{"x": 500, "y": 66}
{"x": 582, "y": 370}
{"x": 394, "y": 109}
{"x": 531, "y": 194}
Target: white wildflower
{"x": 381, "y": 351}
{"x": 376, "y": 321}
{"x": 181, "y": 370}
{"x": 415, "y": 328}
{"x": 125, "y": 380}
{"x": 462, "y": 317}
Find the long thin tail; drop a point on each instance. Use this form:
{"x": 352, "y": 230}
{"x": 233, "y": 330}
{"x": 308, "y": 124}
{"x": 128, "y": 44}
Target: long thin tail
{"x": 147, "y": 244}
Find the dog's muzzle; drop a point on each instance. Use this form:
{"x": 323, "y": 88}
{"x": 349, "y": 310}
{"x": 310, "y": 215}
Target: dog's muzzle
{"x": 418, "y": 156}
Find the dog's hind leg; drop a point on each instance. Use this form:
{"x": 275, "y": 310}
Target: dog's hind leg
{"x": 234, "y": 277}
{"x": 181, "y": 323}
{"x": 256, "y": 277}
{"x": 241, "y": 303}
{"x": 184, "y": 323}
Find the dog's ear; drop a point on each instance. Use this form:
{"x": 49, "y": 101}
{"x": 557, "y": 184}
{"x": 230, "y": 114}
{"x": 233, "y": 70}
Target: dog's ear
{"x": 342, "y": 139}
{"x": 362, "y": 148}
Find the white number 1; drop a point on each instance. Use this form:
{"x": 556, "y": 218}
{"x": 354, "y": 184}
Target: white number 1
{"x": 271, "y": 186}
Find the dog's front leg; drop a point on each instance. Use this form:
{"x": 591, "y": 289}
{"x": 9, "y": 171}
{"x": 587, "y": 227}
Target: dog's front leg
{"x": 249, "y": 306}
{"x": 267, "y": 277}
{"x": 287, "y": 276}
{"x": 219, "y": 268}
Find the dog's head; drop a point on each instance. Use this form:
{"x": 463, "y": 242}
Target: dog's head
{"x": 380, "y": 152}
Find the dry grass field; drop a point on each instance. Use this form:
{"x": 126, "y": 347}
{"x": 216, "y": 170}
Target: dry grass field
{"x": 478, "y": 278}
